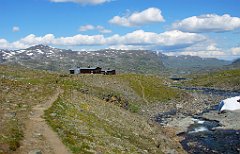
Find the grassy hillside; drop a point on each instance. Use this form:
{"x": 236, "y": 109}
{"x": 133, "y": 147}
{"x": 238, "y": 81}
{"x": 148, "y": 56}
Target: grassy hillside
{"x": 90, "y": 125}
{"x": 95, "y": 113}
{"x": 228, "y": 79}
{"x": 150, "y": 87}
{"x": 235, "y": 64}
{"x": 20, "y": 90}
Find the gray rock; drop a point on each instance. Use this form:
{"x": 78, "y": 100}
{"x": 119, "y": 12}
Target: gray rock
{"x": 25, "y": 106}
{"x": 181, "y": 124}
{"x": 37, "y": 135}
{"x": 36, "y": 151}
{"x": 229, "y": 120}
{"x": 53, "y": 114}
{"x": 10, "y": 115}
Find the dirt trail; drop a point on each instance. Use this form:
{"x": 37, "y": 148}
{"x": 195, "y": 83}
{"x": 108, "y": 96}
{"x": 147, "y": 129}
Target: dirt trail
{"x": 143, "y": 92}
{"x": 38, "y": 136}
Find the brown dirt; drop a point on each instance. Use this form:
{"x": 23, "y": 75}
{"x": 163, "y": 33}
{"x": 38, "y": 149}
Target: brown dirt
{"x": 38, "y": 135}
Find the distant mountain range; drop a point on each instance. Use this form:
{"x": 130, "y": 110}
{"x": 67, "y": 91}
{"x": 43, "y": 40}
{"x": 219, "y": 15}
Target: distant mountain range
{"x": 136, "y": 61}
{"x": 236, "y": 63}
{"x": 188, "y": 64}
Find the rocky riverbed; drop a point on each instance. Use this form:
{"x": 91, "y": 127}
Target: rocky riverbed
{"x": 200, "y": 127}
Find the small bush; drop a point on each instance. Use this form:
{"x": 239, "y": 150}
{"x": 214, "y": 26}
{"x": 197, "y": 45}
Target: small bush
{"x": 134, "y": 107}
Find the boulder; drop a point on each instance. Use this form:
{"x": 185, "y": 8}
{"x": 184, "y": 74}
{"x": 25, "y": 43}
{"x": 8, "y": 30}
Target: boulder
{"x": 36, "y": 151}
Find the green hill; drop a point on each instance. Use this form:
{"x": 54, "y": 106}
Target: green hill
{"x": 94, "y": 114}
{"x": 228, "y": 80}
{"x": 236, "y": 63}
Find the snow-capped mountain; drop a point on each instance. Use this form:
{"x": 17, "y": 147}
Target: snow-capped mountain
{"x": 139, "y": 61}
{"x": 29, "y": 53}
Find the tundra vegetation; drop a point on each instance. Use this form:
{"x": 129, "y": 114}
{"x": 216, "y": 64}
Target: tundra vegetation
{"x": 95, "y": 113}
{"x": 224, "y": 79}
{"x": 20, "y": 90}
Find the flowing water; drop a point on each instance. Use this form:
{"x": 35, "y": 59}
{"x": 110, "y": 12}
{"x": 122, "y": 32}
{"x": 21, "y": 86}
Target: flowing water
{"x": 203, "y": 136}
{"x": 205, "y": 139}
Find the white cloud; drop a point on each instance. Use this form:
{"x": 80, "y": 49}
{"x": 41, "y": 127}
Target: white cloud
{"x": 99, "y": 28}
{"x": 92, "y": 2}
{"x": 137, "y": 38}
{"x": 182, "y": 43}
{"x": 150, "y": 15}
{"x": 235, "y": 51}
{"x": 166, "y": 39}
{"x": 32, "y": 39}
{"x": 128, "y": 47}
{"x": 86, "y": 28}
{"x": 204, "y": 51}
{"x": 208, "y": 23}
{"x": 80, "y": 40}
{"x": 4, "y": 44}
{"x": 204, "y": 54}
{"x": 15, "y": 29}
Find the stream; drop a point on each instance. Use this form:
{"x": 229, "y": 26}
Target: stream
{"x": 203, "y": 135}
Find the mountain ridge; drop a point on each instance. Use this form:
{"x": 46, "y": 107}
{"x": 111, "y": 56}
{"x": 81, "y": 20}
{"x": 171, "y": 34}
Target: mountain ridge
{"x": 136, "y": 61}
{"x": 236, "y": 63}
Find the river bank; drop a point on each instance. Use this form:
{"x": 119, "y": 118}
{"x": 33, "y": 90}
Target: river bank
{"x": 199, "y": 126}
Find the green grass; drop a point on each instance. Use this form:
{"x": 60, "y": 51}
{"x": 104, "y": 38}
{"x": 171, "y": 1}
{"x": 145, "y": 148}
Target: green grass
{"x": 229, "y": 79}
{"x": 12, "y": 134}
{"x": 90, "y": 125}
{"x": 20, "y": 89}
{"x": 84, "y": 119}
{"x": 135, "y": 108}
{"x": 135, "y": 90}
{"x": 152, "y": 86}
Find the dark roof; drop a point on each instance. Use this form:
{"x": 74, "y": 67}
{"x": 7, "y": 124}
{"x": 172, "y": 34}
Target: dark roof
{"x": 89, "y": 68}
{"x": 84, "y": 68}
{"x": 108, "y": 70}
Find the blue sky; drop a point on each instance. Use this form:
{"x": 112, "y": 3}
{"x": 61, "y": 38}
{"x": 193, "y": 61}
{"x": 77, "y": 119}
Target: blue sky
{"x": 206, "y": 28}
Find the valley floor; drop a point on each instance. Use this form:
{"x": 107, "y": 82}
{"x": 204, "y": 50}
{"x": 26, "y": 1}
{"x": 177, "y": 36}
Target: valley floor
{"x": 129, "y": 113}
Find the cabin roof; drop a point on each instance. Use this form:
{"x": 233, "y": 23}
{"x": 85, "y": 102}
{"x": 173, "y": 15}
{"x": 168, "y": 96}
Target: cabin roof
{"x": 89, "y": 68}
{"x": 84, "y": 68}
{"x": 108, "y": 70}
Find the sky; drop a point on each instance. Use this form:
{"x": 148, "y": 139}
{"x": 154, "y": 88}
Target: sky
{"x": 205, "y": 28}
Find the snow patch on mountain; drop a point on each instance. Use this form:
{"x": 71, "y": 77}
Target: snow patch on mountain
{"x": 29, "y": 54}
{"x": 39, "y": 51}
{"x": 20, "y": 51}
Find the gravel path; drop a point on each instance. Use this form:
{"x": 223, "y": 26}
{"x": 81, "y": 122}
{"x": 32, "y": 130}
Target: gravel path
{"x": 38, "y": 136}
